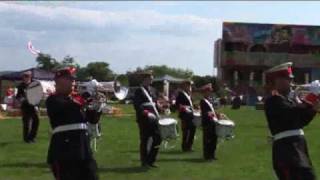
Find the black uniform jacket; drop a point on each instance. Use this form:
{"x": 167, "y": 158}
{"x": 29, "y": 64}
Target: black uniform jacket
{"x": 183, "y": 100}
{"x": 205, "y": 109}
{"x": 284, "y": 113}
{"x": 138, "y": 101}
{"x": 68, "y": 145}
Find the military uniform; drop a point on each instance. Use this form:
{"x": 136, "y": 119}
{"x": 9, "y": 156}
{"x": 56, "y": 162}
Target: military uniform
{"x": 29, "y": 115}
{"x": 147, "y": 118}
{"x": 209, "y": 118}
{"x": 69, "y": 154}
{"x": 286, "y": 118}
{"x": 185, "y": 106}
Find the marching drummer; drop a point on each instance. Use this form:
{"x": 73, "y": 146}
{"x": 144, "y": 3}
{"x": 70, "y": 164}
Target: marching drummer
{"x": 147, "y": 118}
{"x": 69, "y": 154}
{"x": 209, "y": 118}
{"x": 286, "y": 118}
{"x": 185, "y": 106}
{"x": 29, "y": 112}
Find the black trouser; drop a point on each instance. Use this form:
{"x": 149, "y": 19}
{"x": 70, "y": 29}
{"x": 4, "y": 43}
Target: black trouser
{"x": 294, "y": 173}
{"x": 75, "y": 170}
{"x": 209, "y": 141}
{"x": 149, "y": 133}
{"x": 188, "y": 132}
{"x": 30, "y": 122}
{"x": 291, "y": 159}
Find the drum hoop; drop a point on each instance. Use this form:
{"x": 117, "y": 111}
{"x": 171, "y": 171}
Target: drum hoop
{"x": 173, "y": 121}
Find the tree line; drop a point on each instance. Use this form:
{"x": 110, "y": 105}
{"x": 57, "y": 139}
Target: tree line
{"x": 100, "y": 70}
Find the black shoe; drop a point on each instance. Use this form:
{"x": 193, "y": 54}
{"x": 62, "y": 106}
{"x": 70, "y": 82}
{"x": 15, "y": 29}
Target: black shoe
{"x": 153, "y": 166}
{"x": 188, "y": 150}
{"x": 145, "y": 165}
{"x": 31, "y": 141}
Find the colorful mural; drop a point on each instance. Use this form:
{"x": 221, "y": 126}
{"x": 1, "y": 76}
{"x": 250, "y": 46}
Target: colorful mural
{"x": 271, "y": 33}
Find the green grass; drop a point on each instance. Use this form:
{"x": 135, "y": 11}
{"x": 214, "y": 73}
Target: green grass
{"x": 247, "y": 157}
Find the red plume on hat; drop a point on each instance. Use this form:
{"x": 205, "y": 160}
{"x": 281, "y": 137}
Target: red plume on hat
{"x": 66, "y": 72}
{"x": 72, "y": 70}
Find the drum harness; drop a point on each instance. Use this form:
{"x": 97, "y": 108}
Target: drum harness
{"x": 189, "y": 99}
{"x": 212, "y": 110}
{"x": 150, "y": 102}
{"x": 165, "y": 142}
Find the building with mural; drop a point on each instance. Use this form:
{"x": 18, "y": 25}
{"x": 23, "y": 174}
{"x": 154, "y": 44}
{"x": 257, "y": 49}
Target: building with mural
{"x": 246, "y": 50}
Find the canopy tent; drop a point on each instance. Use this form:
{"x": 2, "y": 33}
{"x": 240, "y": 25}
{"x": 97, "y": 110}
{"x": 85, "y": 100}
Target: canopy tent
{"x": 168, "y": 78}
{"x": 166, "y": 81}
{"x": 37, "y": 73}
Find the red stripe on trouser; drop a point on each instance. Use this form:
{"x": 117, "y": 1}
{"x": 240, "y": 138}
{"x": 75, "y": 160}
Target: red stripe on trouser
{"x": 56, "y": 170}
{"x": 286, "y": 172}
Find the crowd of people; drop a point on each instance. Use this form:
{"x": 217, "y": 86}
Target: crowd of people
{"x": 70, "y": 156}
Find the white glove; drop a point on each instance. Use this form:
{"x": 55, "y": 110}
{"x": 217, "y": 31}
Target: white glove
{"x": 152, "y": 116}
{"x": 188, "y": 110}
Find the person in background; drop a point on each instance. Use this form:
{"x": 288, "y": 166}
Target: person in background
{"x": 9, "y": 98}
{"x": 29, "y": 112}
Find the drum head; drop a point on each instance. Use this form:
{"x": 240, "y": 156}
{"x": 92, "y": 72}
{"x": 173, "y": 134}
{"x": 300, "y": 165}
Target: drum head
{"x": 34, "y": 93}
{"x": 167, "y": 121}
{"x": 226, "y": 122}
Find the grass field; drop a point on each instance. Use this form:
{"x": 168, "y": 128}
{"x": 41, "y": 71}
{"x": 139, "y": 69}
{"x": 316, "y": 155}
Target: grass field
{"x": 247, "y": 157}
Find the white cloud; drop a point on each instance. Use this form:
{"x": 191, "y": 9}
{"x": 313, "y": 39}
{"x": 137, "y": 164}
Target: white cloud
{"x": 125, "y": 39}
{"x": 132, "y": 19}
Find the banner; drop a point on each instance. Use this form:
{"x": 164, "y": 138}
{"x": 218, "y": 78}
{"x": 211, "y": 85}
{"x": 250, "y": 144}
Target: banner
{"x": 271, "y": 33}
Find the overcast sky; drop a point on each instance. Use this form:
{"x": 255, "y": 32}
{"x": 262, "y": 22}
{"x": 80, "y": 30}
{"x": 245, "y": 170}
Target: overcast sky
{"x": 131, "y": 34}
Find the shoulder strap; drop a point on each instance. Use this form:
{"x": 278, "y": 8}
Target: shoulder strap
{"x": 188, "y": 97}
{"x": 210, "y": 105}
{"x": 150, "y": 100}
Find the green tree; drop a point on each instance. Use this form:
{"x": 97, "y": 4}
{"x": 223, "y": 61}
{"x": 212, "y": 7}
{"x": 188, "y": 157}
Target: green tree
{"x": 82, "y": 74}
{"x": 46, "y": 62}
{"x": 123, "y": 79}
{"x": 70, "y": 61}
{"x": 163, "y": 70}
{"x": 99, "y": 71}
{"x": 202, "y": 80}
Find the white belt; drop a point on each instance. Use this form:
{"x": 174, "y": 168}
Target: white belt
{"x": 70, "y": 127}
{"x": 288, "y": 133}
{"x": 148, "y": 104}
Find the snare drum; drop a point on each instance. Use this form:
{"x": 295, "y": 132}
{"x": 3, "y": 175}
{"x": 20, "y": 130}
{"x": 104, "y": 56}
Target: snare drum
{"x": 197, "y": 119}
{"x": 34, "y": 93}
{"x": 168, "y": 128}
{"x": 224, "y": 129}
{"x": 38, "y": 90}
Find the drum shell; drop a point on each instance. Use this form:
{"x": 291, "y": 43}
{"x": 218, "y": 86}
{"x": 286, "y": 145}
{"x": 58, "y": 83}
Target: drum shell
{"x": 224, "y": 130}
{"x": 197, "y": 120}
{"x": 34, "y": 93}
{"x": 38, "y": 90}
{"x": 168, "y": 131}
